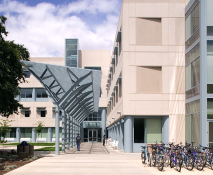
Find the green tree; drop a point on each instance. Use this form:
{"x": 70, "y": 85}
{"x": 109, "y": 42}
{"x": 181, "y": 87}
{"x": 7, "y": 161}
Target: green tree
{"x": 4, "y": 128}
{"x": 39, "y": 127}
{"x": 11, "y": 72}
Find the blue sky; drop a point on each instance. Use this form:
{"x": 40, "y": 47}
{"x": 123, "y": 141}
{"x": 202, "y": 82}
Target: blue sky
{"x": 42, "y": 26}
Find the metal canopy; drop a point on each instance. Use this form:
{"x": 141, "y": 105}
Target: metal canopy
{"x": 75, "y": 91}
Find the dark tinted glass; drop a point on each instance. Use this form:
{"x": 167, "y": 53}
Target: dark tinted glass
{"x": 43, "y": 113}
{"x": 210, "y": 30}
{"x": 209, "y": 88}
{"x": 139, "y": 130}
{"x": 28, "y": 93}
{"x": 27, "y": 113}
{"x": 27, "y": 74}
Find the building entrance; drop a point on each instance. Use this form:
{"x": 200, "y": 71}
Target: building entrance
{"x": 92, "y": 135}
{"x": 210, "y": 133}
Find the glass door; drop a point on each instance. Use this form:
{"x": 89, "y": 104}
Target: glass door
{"x": 210, "y": 133}
{"x": 92, "y": 135}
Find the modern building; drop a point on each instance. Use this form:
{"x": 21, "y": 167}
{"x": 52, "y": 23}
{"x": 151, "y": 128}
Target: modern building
{"x": 156, "y": 82}
{"x": 146, "y": 77}
{"x": 38, "y": 107}
{"x": 199, "y": 74}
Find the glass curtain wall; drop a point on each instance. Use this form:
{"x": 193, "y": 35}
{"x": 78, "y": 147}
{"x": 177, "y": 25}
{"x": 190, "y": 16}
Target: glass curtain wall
{"x": 71, "y": 52}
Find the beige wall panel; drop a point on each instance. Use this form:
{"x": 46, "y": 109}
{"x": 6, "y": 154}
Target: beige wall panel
{"x": 180, "y": 31}
{"x": 177, "y": 59}
{"x": 180, "y": 80}
{"x": 173, "y": 107}
{"x": 105, "y": 71}
{"x": 132, "y": 107}
{"x": 165, "y": 79}
{"x": 132, "y": 9}
{"x": 149, "y": 31}
{"x": 180, "y": 97}
{"x": 149, "y": 80}
{"x": 131, "y": 58}
{"x": 125, "y": 29}
{"x": 165, "y": 31}
{"x": 132, "y": 97}
{"x": 165, "y": 107}
{"x": 149, "y": 97}
{"x": 177, "y": 10}
{"x": 132, "y": 79}
{"x": 165, "y": 9}
{"x": 171, "y": 33}
{"x": 180, "y": 49}
{"x": 132, "y": 31}
{"x": 148, "y": 10}
{"x": 103, "y": 102}
{"x": 172, "y": 78}
{"x": 149, "y": 107}
{"x": 131, "y": 48}
{"x": 151, "y": 59}
{"x": 181, "y": 107}
{"x": 177, "y": 128}
{"x": 103, "y": 82}
{"x": 89, "y": 55}
{"x": 158, "y": 49}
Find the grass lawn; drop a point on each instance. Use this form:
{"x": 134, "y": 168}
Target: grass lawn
{"x": 47, "y": 149}
{"x": 35, "y": 144}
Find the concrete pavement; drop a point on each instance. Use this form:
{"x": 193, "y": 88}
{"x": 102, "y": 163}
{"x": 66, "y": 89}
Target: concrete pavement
{"x": 94, "y": 159}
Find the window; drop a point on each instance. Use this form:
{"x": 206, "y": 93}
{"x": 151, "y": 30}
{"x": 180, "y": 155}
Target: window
{"x": 93, "y": 67}
{"x": 192, "y": 22}
{"x": 209, "y": 18}
{"x": 210, "y": 47}
{"x": 95, "y": 116}
{"x": 44, "y": 133}
{"x": 27, "y": 74}
{"x": 147, "y": 130}
{"x": 41, "y": 93}
{"x": 193, "y": 107}
{"x": 27, "y": 113}
{"x": 100, "y": 92}
{"x": 26, "y": 93}
{"x": 209, "y": 108}
{"x": 149, "y": 80}
{"x": 26, "y": 132}
{"x": 72, "y": 52}
{"x": 148, "y": 31}
{"x": 41, "y": 112}
{"x": 11, "y": 133}
{"x": 193, "y": 54}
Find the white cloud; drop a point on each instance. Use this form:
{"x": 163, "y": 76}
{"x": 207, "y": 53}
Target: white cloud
{"x": 43, "y": 28}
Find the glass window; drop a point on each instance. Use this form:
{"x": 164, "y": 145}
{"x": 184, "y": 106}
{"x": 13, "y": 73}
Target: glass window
{"x": 196, "y": 72}
{"x": 209, "y": 13}
{"x": 26, "y": 132}
{"x": 195, "y": 18}
{"x": 210, "y": 47}
{"x": 153, "y": 130}
{"x": 193, "y": 107}
{"x": 196, "y": 129}
{"x": 209, "y": 88}
{"x": 26, "y": 92}
{"x": 27, "y": 113}
{"x": 41, "y": 93}
{"x": 188, "y": 128}
{"x": 93, "y": 68}
{"x": 188, "y": 27}
{"x": 193, "y": 54}
{"x": 193, "y": 92}
{"x": 209, "y": 69}
{"x": 188, "y": 77}
{"x": 139, "y": 128}
{"x": 210, "y": 30}
{"x": 43, "y": 113}
{"x": 71, "y": 52}
{"x": 27, "y": 74}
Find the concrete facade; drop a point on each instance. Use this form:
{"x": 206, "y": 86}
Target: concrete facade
{"x": 151, "y": 66}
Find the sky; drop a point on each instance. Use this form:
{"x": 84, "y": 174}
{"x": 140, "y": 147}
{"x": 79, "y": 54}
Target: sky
{"x": 42, "y": 26}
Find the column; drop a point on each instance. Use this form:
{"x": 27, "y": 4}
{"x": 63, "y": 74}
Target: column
{"x": 56, "y": 130}
{"x": 128, "y": 134}
{"x": 18, "y": 134}
{"x": 71, "y": 132}
{"x": 33, "y": 135}
{"x": 119, "y": 136}
{"x": 103, "y": 122}
{"x": 122, "y": 134}
{"x": 49, "y": 134}
{"x": 34, "y": 95}
{"x": 68, "y": 131}
{"x": 63, "y": 130}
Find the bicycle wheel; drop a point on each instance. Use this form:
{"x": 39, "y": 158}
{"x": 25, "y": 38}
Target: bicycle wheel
{"x": 171, "y": 162}
{"x": 178, "y": 164}
{"x": 153, "y": 160}
{"x": 189, "y": 163}
{"x": 143, "y": 157}
{"x": 160, "y": 163}
{"x": 149, "y": 160}
{"x": 199, "y": 161}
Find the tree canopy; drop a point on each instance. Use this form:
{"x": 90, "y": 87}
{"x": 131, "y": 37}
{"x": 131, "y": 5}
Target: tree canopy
{"x": 11, "y": 72}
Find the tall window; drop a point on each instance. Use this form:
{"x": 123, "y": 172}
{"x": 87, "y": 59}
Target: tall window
{"x": 26, "y": 132}
{"x": 147, "y": 130}
{"x": 41, "y": 112}
{"x": 72, "y": 52}
{"x": 27, "y": 74}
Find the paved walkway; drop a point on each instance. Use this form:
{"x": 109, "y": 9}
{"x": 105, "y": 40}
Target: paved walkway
{"x": 94, "y": 159}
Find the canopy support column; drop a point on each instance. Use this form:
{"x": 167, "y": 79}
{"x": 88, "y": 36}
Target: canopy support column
{"x": 63, "y": 130}
{"x": 68, "y": 132}
{"x": 56, "y": 130}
